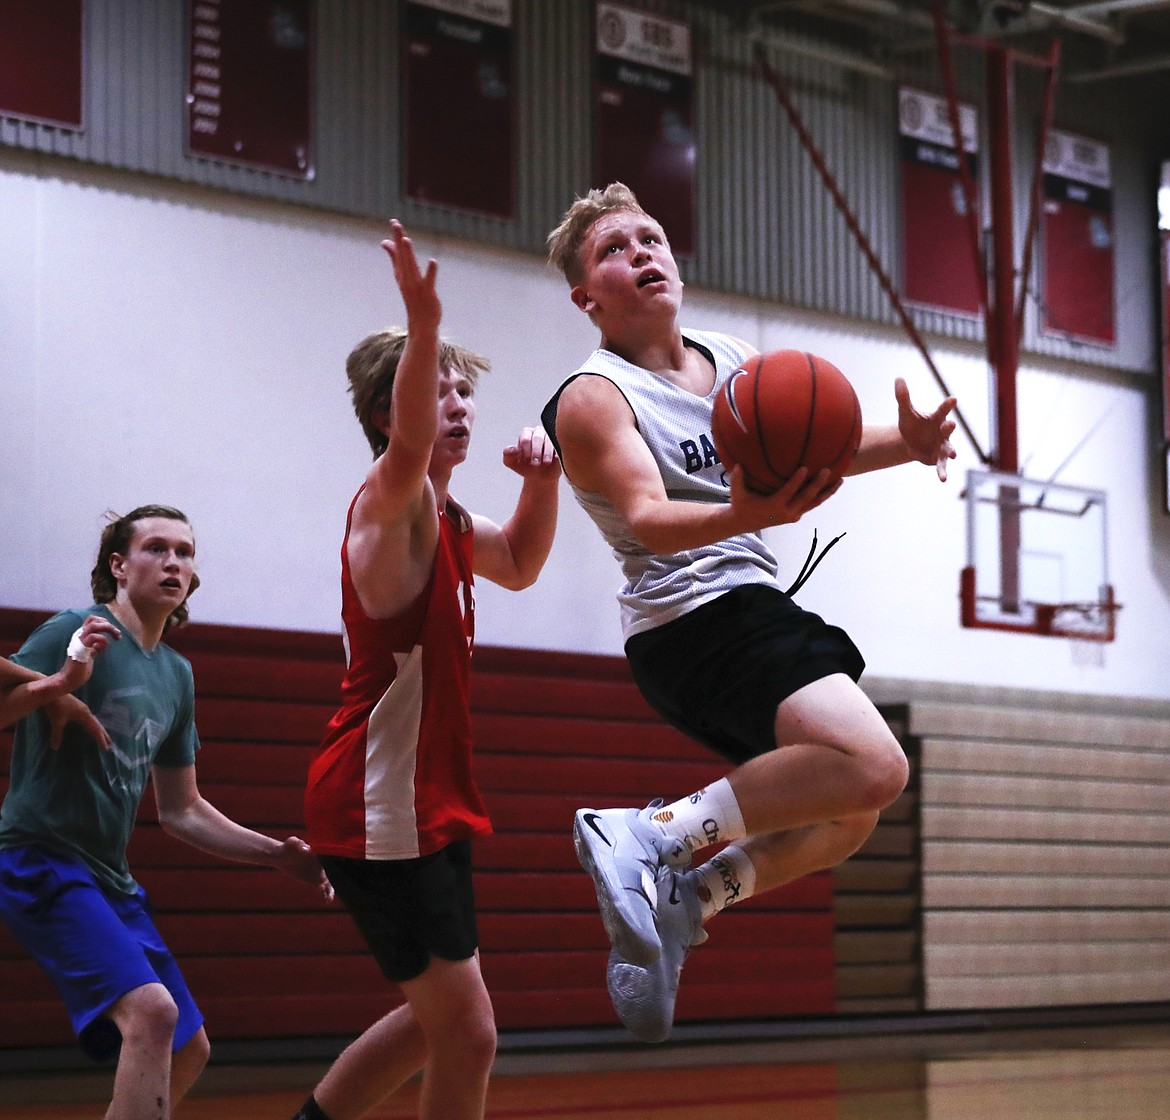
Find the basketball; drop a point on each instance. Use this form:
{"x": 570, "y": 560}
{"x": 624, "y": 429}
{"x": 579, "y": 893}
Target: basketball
{"x": 783, "y": 410}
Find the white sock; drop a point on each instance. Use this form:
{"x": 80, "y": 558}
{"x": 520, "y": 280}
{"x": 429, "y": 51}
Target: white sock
{"x": 710, "y": 816}
{"x": 727, "y": 877}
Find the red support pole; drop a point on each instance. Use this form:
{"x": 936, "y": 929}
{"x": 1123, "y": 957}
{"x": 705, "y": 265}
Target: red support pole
{"x": 1002, "y": 325}
{"x": 1004, "y": 338}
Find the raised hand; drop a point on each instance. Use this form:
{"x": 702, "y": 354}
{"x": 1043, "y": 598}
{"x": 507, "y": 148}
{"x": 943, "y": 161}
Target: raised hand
{"x": 419, "y": 294}
{"x": 92, "y": 636}
{"x": 533, "y": 455}
{"x": 927, "y": 437}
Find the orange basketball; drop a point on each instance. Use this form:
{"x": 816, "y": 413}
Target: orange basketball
{"x": 783, "y": 410}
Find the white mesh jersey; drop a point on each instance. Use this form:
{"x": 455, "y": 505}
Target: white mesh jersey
{"x": 676, "y": 426}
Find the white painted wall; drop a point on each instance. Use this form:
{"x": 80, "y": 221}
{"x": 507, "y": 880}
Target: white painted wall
{"x": 163, "y": 343}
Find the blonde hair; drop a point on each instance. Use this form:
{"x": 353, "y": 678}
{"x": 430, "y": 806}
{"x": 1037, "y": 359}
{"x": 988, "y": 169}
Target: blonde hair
{"x": 373, "y": 363}
{"x": 564, "y": 243}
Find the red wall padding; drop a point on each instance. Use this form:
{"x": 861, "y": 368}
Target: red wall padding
{"x": 554, "y": 731}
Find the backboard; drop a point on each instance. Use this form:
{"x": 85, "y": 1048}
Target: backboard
{"x": 1036, "y": 558}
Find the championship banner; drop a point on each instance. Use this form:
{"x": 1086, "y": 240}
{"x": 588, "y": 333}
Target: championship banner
{"x": 1077, "y": 236}
{"x": 41, "y": 61}
{"x": 643, "y": 125}
{"x": 249, "y": 83}
{"x": 938, "y": 264}
{"x": 458, "y": 110}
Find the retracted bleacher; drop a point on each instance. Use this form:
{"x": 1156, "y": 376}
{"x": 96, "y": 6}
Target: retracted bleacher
{"x": 267, "y": 960}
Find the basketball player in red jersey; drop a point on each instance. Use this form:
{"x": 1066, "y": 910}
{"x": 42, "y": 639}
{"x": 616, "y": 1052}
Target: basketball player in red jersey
{"x": 714, "y": 642}
{"x": 391, "y": 806}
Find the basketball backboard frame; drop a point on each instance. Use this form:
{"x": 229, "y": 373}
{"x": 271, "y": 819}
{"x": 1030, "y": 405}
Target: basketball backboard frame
{"x": 1037, "y": 558}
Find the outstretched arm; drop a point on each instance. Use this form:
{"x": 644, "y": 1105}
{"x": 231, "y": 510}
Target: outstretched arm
{"x": 184, "y": 814}
{"x": 917, "y": 438}
{"x": 397, "y": 481}
{"x": 395, "y": 524}
{"x": 512, "y": 555}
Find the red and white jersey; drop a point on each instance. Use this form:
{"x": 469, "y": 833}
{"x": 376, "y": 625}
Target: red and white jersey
{"x": 392, "y": 778}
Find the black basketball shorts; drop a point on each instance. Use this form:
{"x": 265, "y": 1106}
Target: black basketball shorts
{"x": 409, "y": 910}
{"x": 719, "y": 672}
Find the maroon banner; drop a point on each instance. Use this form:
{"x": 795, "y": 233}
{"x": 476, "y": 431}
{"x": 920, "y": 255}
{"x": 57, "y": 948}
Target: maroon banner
{"x": 458, "y": 104}
{"x": 1165, "y": 301}
{"x": 643, "y": 118}
{"x": 1077, "y": 233}
{"x": 938, "y": 264}
{"x": 249, "y": 84}
{"x": 41, "y": 60}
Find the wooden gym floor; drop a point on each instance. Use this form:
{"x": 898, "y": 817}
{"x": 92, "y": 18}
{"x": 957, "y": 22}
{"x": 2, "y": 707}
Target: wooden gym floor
{"x": 1096, "y": 1073}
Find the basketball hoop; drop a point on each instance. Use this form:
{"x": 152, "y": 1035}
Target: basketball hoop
{"x": 1036, "y": 559}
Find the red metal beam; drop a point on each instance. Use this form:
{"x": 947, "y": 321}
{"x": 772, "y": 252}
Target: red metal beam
{"x": 1037, "y": 184}
{"x": 780, "y": 88}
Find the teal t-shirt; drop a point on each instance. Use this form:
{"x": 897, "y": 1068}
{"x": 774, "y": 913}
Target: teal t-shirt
{"x": 81, "y": 799}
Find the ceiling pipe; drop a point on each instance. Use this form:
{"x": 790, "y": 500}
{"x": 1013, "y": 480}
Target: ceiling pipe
{"x": 1116, "y": 7}
{"x": 1122, "y": 70}
{"x": 1075, "y": 20}
{"x": 841, "y": 59}
{"x": 888, "y": 9}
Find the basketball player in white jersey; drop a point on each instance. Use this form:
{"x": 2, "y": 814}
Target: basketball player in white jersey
{"x": 715, "y": 644}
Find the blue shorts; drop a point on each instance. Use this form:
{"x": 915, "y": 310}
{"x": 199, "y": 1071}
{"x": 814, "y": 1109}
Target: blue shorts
{"x": 95, "y": 945}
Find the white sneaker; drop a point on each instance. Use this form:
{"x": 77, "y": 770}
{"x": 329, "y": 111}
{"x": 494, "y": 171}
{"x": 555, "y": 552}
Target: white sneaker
{"x": 623, "y": 850}
{"x": 644, "y": 996}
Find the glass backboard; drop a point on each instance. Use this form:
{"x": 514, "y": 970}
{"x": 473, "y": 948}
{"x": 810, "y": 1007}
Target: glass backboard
{"x": 1036, "y": 558}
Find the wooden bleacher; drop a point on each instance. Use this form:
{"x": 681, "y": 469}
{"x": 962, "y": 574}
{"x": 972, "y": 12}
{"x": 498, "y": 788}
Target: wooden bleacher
{"x": 1046, "y": 858}
{"x": 1045, "y": 848}
{"x": 266, "y": 960}
{"x": 877, "y": 903}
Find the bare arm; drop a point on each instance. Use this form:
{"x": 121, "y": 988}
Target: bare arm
{"x": 603, "y": 451}
{"x": 513, "y": 555}
{"x": 184, "y": 814}
{"x": 916, "y": 438}
{"x": 23, "y": 691}
{"x": 395, "y": 524}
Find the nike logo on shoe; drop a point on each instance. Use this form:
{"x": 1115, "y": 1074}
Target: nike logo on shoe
{"x": 591, "y": 820}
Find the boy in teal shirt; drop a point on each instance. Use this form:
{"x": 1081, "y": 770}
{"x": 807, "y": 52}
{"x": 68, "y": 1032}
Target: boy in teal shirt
{"x": 66, "y": 890}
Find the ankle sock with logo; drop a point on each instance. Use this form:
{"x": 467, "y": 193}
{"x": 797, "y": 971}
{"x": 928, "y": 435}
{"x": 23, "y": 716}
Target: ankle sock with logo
{"x": 727, "y": 877}
{"x": 709, "y": 816}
